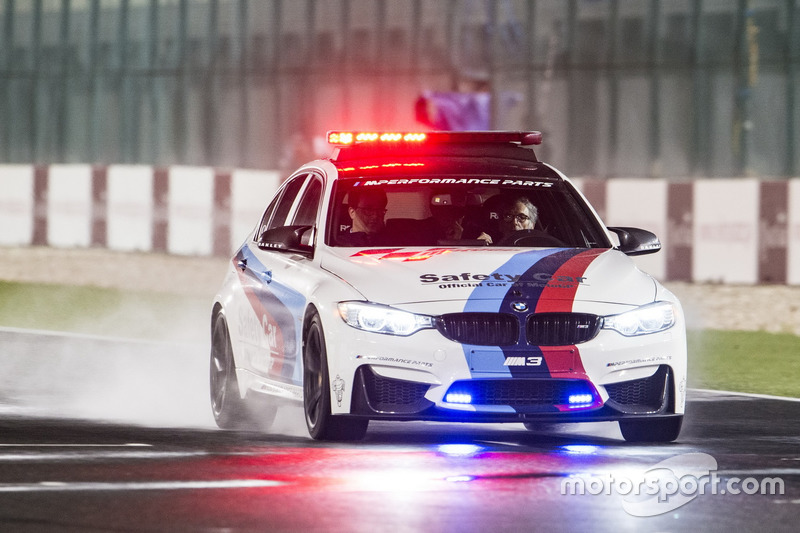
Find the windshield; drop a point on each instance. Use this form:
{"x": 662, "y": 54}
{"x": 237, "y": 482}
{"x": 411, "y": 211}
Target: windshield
{"x": 474, "y": 211}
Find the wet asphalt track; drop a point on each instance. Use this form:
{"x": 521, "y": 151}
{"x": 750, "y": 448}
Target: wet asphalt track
{"x": 104, "y": 435}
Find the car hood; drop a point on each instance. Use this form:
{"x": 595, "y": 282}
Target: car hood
{"x": 545, "y": 279}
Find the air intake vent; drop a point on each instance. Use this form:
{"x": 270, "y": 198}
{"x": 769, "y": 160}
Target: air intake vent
{"x": 521, "y": 392}
{"x": 388, "y": 395}
{"x": 644, "y": 395}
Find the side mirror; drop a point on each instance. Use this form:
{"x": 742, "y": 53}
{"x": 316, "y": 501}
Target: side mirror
{"x": 287, "y": 239}
{"x": 635, "y": 241}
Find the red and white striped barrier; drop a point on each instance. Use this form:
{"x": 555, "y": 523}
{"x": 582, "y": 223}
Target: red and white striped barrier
{"x": 739, "y": 230}
{"x": 742, "y": 230}
{"x": 177, "y": 210}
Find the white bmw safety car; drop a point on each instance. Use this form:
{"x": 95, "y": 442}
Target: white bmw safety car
{"x": 448, "y": 277}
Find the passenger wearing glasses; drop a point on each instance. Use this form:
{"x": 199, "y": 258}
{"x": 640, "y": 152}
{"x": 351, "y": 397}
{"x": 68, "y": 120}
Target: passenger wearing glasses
{"x": 518, "y": 226}
{"x": 519, "y": 214}
{"x": 506, "y": 215}
{"x": 366, "y": 208}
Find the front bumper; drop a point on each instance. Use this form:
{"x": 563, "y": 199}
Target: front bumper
{"x": 515, "y": 400}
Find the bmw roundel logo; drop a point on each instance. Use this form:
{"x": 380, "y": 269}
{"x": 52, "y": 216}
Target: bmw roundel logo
{"x": 519, "y": 307}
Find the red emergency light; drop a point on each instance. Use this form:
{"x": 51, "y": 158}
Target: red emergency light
{"x": 347, "y": 138}
{"x": 343, "y": 138}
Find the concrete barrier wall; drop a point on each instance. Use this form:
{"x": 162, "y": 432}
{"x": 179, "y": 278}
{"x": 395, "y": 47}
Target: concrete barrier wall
{"x": 739, "y": 230}
{"x": 16, "y": 204}
{"x": 129, "y": 208}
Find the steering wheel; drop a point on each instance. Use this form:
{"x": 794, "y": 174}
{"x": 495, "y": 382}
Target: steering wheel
{"x": 531, "y": 238}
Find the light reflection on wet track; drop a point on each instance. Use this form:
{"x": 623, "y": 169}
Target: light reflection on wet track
{"x": 101, "y": 473}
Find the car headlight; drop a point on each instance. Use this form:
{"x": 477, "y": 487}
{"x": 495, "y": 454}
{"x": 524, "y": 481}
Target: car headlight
{"x": 650, "y": 318}
{"x": 377, "y": 318}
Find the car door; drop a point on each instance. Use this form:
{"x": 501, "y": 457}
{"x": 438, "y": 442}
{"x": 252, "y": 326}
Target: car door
{"x": 280, "y": 280}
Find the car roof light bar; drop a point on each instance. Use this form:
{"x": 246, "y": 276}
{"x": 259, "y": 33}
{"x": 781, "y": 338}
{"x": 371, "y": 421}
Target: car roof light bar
{"x": 350, "y": 138}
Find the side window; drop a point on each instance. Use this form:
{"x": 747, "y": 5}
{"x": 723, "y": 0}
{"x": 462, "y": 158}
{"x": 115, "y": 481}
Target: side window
{"x": 275, "y": 215}
{"x": 267, "y": 216}
{"x": 285, "y": 204}
{"x": 309, "y": 205}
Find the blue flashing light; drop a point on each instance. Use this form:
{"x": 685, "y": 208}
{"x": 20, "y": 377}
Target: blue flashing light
{"x": 580, "y": 400}
{"x": 458, "y": 397}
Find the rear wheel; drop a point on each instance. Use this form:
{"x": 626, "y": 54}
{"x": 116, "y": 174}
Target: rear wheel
{"x": 226, "y": 405}
{"x": 322, "y": 425}
{"x": 656, "y": 430}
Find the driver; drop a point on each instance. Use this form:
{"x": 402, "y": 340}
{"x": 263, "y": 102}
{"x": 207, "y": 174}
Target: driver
{"x": 366, "y": 208}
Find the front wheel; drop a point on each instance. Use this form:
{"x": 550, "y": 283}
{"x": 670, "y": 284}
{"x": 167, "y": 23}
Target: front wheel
{"x": 322, "y": 425}
{"x": 656, "y": 430}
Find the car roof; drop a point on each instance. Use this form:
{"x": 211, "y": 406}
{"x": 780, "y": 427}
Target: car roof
{"x": 450, "y": 153}
{"x": 451, "y": 149}
{"x": 506, "y": 153}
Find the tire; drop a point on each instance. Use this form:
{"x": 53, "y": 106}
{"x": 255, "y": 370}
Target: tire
{"x": 322, "y": 425}
{"x": 658, "y": 430}
{"x": 226, "y": 404}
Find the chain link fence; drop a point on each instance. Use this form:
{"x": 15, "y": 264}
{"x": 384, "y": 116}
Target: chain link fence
{"x": 678, "y": 88}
